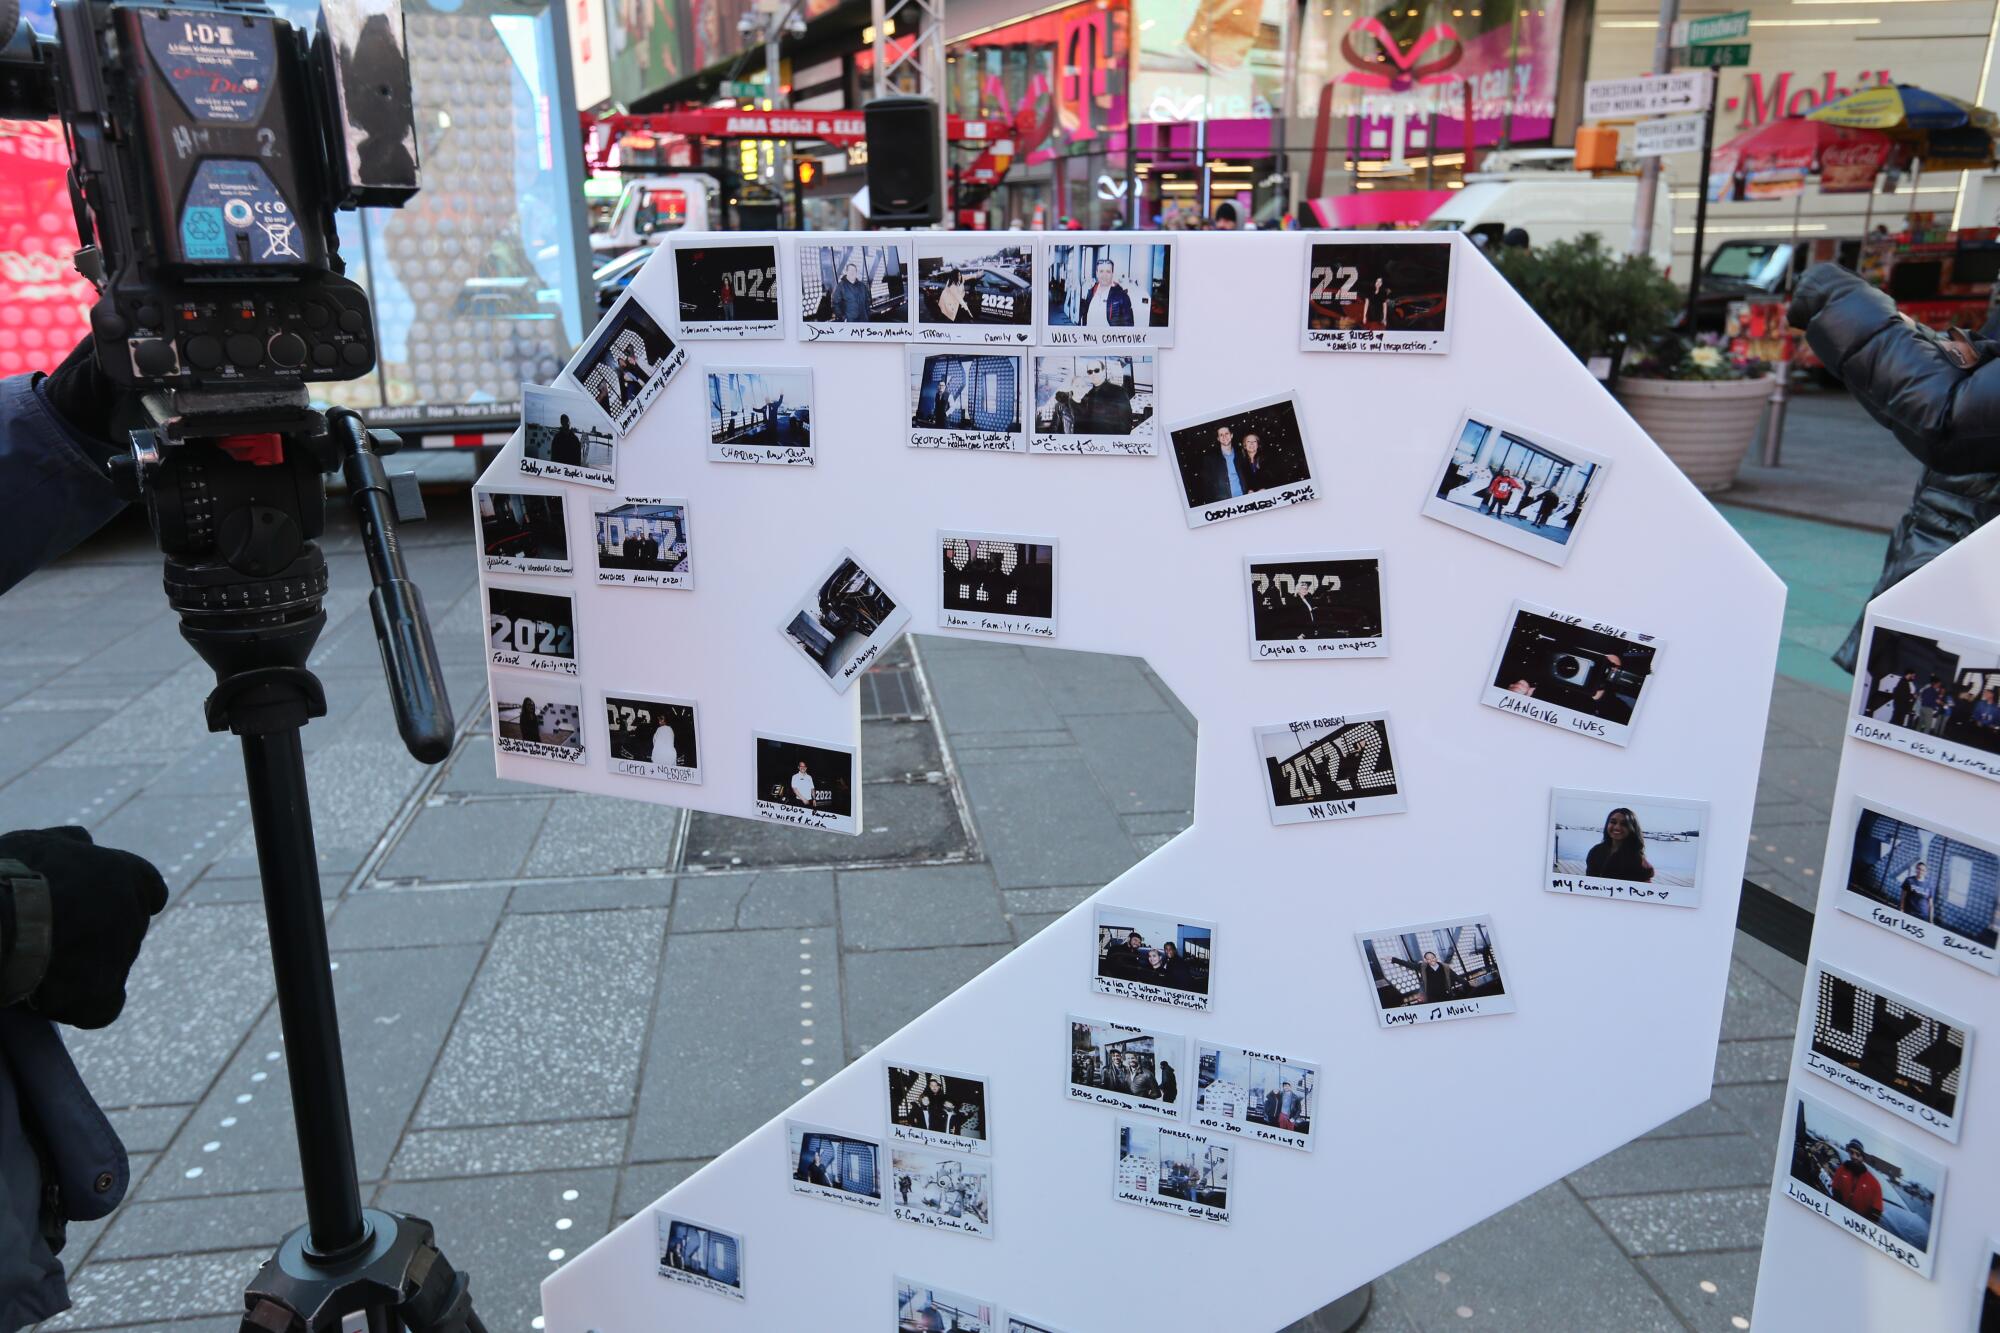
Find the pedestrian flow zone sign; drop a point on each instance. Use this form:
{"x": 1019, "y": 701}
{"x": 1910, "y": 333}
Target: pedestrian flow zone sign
{"x": 1673, "y": 134}
{"x": 1646, "y": 95}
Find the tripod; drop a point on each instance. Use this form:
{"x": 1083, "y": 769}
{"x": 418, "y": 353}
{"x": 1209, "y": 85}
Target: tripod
{"x": 234, "y": 485}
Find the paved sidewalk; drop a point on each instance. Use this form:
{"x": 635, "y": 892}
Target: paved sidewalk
{"x": 526, "y": 978}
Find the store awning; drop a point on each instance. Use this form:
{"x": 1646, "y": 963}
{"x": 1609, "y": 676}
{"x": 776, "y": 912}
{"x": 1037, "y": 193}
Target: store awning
{"x": 1370, "y": 208}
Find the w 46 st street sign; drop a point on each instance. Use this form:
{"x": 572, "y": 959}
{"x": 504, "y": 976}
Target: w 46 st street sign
{"x": 1647, "y": 95}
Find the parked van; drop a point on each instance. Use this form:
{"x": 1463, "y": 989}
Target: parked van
{"x": 1536, "y": 190}
{"x": 652, "y": 208}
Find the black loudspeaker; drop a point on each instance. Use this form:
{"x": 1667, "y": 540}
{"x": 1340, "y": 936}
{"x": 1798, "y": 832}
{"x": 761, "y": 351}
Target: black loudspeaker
{"x": 904, "y": 162}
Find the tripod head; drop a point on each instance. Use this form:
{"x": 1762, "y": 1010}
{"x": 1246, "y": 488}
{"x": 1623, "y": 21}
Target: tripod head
{"x": 234, "y": 486}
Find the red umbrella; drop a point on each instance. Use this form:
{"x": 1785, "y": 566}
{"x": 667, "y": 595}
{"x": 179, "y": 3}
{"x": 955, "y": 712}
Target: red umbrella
{"x": 1773, "y": 160}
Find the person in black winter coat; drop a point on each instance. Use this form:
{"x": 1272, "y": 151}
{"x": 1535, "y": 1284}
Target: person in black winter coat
{"x": 1937, "y": 393}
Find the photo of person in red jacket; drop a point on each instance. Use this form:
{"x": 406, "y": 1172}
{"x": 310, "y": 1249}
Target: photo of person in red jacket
{"x": 1855, "y": 1187}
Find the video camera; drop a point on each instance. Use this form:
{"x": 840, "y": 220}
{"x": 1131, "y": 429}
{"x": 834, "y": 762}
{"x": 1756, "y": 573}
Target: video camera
{"x": 211, "y": 144}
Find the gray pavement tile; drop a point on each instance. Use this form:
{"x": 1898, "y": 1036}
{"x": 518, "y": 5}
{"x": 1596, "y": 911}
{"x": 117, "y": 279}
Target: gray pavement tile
{"x": 57, "y": 634}
{"x": 26, "y": 739}
{"x": 900, "y": 822}
{"x": 471, "y": 772}
{"x": 503, "y": 1230}
{"x": 182, "y": 835}
{"x": 1711, "y": 1291}
{"x": 754, "y": 900}
{"x": 1787, "y": 974}
{"x": 155, "y": 1291}
{"x": 509, "y": 1149}
{"x": 1029, "y": 924}
{"x": 359, "y": 786}
{"x": 1148, "y": 843}
{"x": 1648, "y": 1224}
{"x": 482, "y": 840}
{"x": 989, "y": 690}
{"x": 1808, "y": 710}
{"x": 599, "y": 835}
{"x": 145, "y": 1128}
{"x": 1756, "y": 1008}
{"x": 45, "y": 797}
{"x": 553, "y": 1026}
{"x": 158, "y": 726}
{"x": 1144, "y": 762}
{"x": 898, "y": 750}
{"x": 395, "y": 1007}
{"x": 336, "y": 860}
{"x": 191, "y": 1226}
{"x": 173, "y": 1036}
{"x": 887, "y": 990}
{"x": 728, "y": 1048}
{"x": 212, "y": 889}
{"x": 642, "y": 1184}
{"x": 1168, "y": 822}
{"x": 1385, "y": 1314}
{"x": 1757, "y": 1109}
{"x": 1542, "y": 1264}
{"x": 918, "y": 907}
{"x": 1083, "y": 683}
{"x": 591, "y": 895}
{"x": 1657, "y": 1165}
{"x": 59, "y": 587}
{"x": 402, "y": 918}
{"x": 1753, "y": 1061}
{"x": 212, "y": 767}
{"x": 1708, "y": 1118}
{"x": 962, "y": 742}
{"x": 1046, "y": 822}
{"x": 1056, "y": 898}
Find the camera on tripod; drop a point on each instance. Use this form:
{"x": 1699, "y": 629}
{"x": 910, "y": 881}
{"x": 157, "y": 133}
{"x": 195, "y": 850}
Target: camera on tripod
{"x": 211, "y": 145}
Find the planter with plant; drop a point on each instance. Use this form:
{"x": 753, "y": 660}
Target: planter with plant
{"x": 1615, "y": 313}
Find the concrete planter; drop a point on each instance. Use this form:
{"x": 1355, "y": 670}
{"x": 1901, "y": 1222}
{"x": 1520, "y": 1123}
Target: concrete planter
{"x": 1705, "y": 426}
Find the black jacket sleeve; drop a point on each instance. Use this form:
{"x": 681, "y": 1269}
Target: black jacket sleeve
{"x": 1947, "y": 417}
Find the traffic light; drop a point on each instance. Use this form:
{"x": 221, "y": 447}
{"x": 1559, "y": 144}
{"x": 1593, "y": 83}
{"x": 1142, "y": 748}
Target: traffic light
{"x": 807, "y": 170}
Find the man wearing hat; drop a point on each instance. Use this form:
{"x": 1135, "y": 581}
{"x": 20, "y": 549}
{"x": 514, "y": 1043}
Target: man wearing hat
{"x": 1855, "y": 1187}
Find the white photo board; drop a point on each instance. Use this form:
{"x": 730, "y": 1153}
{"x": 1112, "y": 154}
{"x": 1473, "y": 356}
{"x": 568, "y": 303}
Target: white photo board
{"x": 1911, "y": 790}
{"x": 1288, "y": 900}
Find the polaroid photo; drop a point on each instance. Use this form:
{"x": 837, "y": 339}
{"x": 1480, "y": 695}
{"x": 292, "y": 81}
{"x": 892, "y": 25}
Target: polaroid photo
{"x": 1329, "y": 768}
{"x": 807, "y": 783}
{"x": 1522, "y": 489}
{"x": 1925, "y": 882}
{"x": 727, "y": 288}
{"x": 643, "y": 543}
{"x": 1113, "y": 1064}
{"x": 854, "y": 291}
{"x": 1641, "y": 849}
{"x": 1905, "y": 1058}
{"x": 935, "y": 1108}
{"x": 1989, "y": 1293}
{"x": 537, "y": 717}
{"x": 532, "y": 630}
{"x": 699, "y": 1256}
{"x": 1021, "y": 1324}
{"x": 523, "y": 532}
{"x": 653, "y": 737}
{"x": 967, "y": 400}
{"x": 1312, "y": 607}
{"x": 1436, "y": 972}
{"x": 628, "y": 360}
{"x": 1108, "y": 294}
{"x": 975, "y": 291}
{"x": 1570, "y": 672}
{"x": 1929, "y": 693}
{"x": 760, "y": 415}
{"x": 1378, "y": 296}
{"x": 1171, "y": 1169}
{"x": 844, "y": 622}
{"x": 827, "y": 1164}
{"x": 565, "y": 436}
{"x": 1879, "y": 1191}
{"x": 1243, "y": 460}
{"x": 997, "y": 583}
{"x": 1146, "y": 956}
{"x": 941, "y": 1190}
{"x": 1095, "y": 403}
{"x": 1254, "y": 1095}
{"x": 921, "y": 1307}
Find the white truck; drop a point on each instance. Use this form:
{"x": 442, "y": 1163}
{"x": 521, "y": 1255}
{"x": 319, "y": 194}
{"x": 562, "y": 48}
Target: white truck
{"x": 652, "y": 208}
{"x": 1538, "y": 191}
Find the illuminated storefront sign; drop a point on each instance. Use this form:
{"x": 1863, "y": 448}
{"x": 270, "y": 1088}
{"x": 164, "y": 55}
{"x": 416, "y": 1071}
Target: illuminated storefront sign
{"x": 1209, "y": 59}
{"x": 1055, "y": 84}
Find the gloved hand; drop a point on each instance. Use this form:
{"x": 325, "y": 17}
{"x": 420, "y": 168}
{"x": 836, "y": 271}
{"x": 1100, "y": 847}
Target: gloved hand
{"x": 1818, "y": 285}
{"x": 97, "y": 410}
{"x": 101, "y": 900}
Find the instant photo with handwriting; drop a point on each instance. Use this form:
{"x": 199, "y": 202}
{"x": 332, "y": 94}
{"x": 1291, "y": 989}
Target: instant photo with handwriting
{"x": 1875, "y": 1188}
{"x": 523, "y": 532}
{"x": 698, "y": 1256}
{"x": 1255, "y": 1095}
{"x": 1108, "y": 294}
{"x": 966, "y": 400}
{"x": 1170, "y": 1169}
{"x": 808, "y": 784}
{"x": 1378, "y": 296}
{"x": 727, "y": 289}
{"x": 652, "y": 737}
{"x": 538, "y": 717}
{"x": 565, "y": 436}
{"x": 828, "y": 1164}
{"x": 1147, "y": 956}
{"x": 1908, "y": 1059}
{"x": 845, "y": 621}
{"x": 924, "y": 1308}
{"x": 854, "y": 292}
{"x": 532, "y": 630}
{"x": 1435, "y": 972}
{"x": 1645, "y": 849}
{"x": 1095, "y": 403}
{"x": 1136, "y": 1069}
{"x": 1312, "y": 607}
{"x": 642, "y": 542}
{"x": 1247, "y": 459}
{"x": 940, "y": 1190}
{"x": 1929, "y": 693}
{"x": 1524, "y": 490}
{"x": 1932, "y": 885}
{"x": 997, "y": 583}
{"x": 975, "y": 291}
{"x": 938, "y": 1109}
{"x": 760, "y": 415}
{"x": 626, "y": 364}
{"x": 1572, "y": 673}
{"x": 1329, "y": 768}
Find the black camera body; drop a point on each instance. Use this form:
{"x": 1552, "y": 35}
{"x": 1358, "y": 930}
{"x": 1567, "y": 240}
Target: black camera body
{"x": 1586, "y": 671}
{"x": 211, "y": 145}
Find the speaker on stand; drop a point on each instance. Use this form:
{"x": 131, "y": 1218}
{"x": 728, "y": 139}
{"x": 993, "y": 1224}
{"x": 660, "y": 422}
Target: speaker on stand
{"x": 905, "y": 162}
